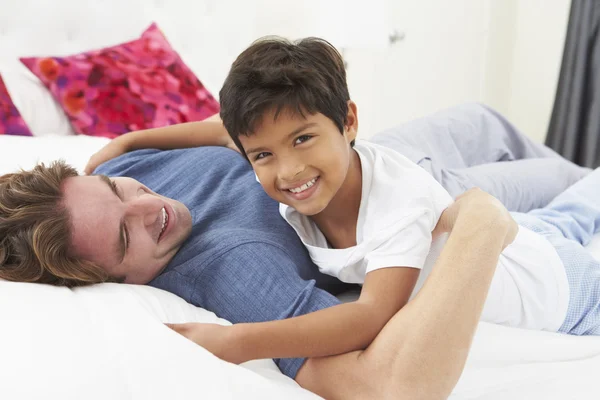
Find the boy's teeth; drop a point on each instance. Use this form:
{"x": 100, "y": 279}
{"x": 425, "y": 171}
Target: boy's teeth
{"x": 303, "y": 187}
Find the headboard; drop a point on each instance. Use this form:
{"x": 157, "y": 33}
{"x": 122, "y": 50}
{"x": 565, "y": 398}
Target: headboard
{"x": 208, "y": 34}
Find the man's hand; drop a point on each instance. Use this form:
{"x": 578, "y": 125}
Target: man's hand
{"x": 218, "y": 339}
{"x": 113, "y": 149}
{"x": 479, "y": 205}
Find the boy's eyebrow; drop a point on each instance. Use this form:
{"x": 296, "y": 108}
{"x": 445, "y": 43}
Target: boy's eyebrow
{"x": 293, "y": 133}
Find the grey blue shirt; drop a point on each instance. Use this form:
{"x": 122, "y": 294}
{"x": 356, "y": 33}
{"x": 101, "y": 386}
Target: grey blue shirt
{"x": 242, "y": 261}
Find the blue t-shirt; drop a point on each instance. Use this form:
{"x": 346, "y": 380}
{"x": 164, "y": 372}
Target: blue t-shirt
{"x": 242, "y": 260}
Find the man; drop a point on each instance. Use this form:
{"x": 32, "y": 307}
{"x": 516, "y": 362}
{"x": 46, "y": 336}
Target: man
{"x": 222, "y": 246}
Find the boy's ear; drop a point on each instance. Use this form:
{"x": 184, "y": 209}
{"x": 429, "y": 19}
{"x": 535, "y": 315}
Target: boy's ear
{"x": 351, "y": 128}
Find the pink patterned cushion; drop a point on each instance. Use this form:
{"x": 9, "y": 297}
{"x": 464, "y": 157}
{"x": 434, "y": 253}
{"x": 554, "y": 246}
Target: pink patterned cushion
{"x": 11, "y": 122}
{"x": 136, "y": 85}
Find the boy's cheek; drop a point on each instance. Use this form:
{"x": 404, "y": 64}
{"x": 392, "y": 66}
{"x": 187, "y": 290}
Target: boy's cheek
{"x": 267, "y": 189}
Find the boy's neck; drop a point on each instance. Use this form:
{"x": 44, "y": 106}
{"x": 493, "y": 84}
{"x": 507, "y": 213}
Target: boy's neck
{"x": 339, "y": 219}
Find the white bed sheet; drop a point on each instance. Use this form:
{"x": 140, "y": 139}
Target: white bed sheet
{"x": 108, "y": 342}
{"x": 504, "y": 362}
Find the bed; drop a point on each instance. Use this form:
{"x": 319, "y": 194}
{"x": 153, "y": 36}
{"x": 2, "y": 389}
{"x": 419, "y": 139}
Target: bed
{"x": 109, "y": 341}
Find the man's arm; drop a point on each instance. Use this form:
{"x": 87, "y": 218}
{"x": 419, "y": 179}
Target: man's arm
{"x": 209, "y": 132}
{"x": 335, "y": 330}
{"x": 421, "y": 351}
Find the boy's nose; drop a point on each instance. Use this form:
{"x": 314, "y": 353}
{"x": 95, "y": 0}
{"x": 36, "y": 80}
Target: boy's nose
{"x": 290, "y": 170}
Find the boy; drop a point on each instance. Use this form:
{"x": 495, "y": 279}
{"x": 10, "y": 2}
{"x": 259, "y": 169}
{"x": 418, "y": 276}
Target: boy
{"x": 368, "y": 215}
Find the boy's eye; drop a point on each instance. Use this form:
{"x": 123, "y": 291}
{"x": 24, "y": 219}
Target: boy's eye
{"x": 302, "y": 139}
{"x": 262, "y": 155}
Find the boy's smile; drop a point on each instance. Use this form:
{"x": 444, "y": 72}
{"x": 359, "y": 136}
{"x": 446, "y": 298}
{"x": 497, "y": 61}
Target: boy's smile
{"x": 302, "y": 191}
{"x": 303, "y": 162}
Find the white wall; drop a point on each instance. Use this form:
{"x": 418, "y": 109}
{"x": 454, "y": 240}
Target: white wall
{"x": 541, "y": 27}
{"x": 505, "y": 53}
{"x": 523, "y": 60}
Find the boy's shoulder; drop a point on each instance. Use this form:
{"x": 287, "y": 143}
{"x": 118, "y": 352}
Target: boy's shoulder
{"x": 385, "y": 165}
{"x": 393, "y": 183}
{"x": 372, "y": 152}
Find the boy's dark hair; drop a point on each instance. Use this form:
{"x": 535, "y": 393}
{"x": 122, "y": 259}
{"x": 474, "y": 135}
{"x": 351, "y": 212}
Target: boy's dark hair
{"x": 276, "y": 74}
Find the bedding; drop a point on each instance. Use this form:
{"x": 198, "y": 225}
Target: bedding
{"x": 114, "y": 333}
{"x": 42, "y": 114}
{"x": 108, "y": 341}
{"x": 11, "y": 122}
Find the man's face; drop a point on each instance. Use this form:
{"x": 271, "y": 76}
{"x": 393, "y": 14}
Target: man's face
{"x": 124, "y": 227}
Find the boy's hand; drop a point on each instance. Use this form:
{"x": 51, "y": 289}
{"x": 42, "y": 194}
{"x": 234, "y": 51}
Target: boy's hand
{"x": 231, "y": 145}
{"x": 113, "y": 149}
{"x": 217, "y": 339}
{"x": 480, "y": 207}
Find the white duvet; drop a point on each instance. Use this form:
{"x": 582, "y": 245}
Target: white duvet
{"x": 108, "y": 341}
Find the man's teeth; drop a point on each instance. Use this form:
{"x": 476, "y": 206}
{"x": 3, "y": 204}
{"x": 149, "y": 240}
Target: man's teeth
{"x": 302, "y": 188}
{"x": 165, "y": 219}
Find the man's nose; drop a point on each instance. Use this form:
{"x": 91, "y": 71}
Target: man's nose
{"x": 146, "y": 206}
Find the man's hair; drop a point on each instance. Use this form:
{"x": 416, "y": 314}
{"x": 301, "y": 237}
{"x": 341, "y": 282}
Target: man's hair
{"x": 275, "y": 74}
{"x": 35, "y": 230}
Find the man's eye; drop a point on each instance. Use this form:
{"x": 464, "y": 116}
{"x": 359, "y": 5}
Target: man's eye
{"x": 302, "y": 139}
{"x": 127, "y": 239}
{"x": 262, "y": 155}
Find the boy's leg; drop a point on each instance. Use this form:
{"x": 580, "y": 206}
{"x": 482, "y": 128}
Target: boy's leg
{"x": 581, "y": 268}
{"x": 521, "y": 185}
{"x": 461, "y": 148}
{"x": 576, "y": 211}
{"x": 462, "y": 136}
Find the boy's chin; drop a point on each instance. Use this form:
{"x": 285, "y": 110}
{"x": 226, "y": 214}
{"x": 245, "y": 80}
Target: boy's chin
{"x": 309, "y": 210}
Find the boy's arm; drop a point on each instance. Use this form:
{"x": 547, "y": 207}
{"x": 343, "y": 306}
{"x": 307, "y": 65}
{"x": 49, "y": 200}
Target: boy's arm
{"x": 335, "y": 330}
{"x": 209, "y": 132}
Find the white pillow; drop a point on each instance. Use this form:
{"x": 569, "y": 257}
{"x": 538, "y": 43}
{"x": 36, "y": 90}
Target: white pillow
{"x": 108, "y": 342}
{"x": 25, "y": 152}
{"x": 43, "y": 115}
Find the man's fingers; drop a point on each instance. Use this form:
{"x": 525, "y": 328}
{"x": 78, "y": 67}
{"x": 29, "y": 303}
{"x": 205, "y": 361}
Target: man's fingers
{"x": 179, "y": 328}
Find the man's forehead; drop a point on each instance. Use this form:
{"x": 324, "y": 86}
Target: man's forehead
{"x": 94, "y": 230}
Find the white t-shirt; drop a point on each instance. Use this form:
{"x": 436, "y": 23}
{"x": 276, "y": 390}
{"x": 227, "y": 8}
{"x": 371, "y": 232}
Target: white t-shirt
{"x": 400, "y": 206}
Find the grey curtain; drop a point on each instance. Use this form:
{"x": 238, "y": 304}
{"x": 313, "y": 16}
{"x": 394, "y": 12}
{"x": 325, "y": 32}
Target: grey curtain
{"x": 574, "y": 129}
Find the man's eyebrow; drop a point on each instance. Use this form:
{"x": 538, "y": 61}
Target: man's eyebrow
{"x": 122, "y": 234}
{"x": 111, "y": 185}
{"x": 293, "y": 133}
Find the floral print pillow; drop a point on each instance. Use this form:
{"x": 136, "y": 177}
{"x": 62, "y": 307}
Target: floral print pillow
{"x": 135, "y": 85}
{"x": 11, "y": 122}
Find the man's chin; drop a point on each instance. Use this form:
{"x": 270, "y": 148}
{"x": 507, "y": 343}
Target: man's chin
{"x": 144, "y": 280}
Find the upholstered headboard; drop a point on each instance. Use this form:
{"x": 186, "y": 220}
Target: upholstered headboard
{"x": 208, "y": 34}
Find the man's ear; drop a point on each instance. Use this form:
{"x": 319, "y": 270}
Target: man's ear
{"x": 351, "y": 128}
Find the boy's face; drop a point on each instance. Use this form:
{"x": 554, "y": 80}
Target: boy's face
{"x": 301, "y": 162}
